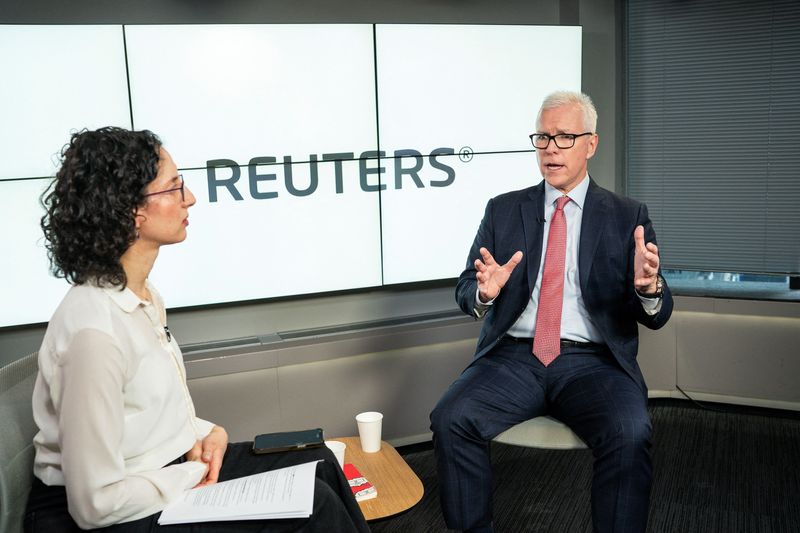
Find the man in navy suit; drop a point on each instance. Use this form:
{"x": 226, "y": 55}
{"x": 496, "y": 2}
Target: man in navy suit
{"x": 611, "y": 283}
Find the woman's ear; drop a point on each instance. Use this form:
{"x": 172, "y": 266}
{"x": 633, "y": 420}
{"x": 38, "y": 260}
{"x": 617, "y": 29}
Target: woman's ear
{"x": 138, "y": 218}
{"x": 137, "y": 222}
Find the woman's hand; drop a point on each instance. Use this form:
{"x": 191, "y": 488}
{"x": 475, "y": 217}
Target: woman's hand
{"x": 210, "y": 451}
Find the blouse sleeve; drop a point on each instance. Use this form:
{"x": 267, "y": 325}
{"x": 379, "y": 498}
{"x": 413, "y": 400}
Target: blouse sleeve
{"x": 204, "y": 427}
{"x": 88, "y": 396}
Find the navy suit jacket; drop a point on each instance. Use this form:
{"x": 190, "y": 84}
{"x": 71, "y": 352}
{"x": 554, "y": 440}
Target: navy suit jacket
{"x": 515, "y": 221}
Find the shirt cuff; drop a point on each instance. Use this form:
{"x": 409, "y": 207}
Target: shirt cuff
{"x": 651, "y": 305}
{"x": 204, "y": 427}
{"x": 194, "y": 470}
{"x": 480, "y": 307}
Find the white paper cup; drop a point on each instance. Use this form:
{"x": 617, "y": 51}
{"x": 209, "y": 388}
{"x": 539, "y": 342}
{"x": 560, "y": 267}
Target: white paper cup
{"x": 337, "y": 448}
{"x": 369, "y": 430}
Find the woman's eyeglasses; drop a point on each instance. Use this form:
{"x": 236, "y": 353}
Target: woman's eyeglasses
{"x": 183, "y": 198}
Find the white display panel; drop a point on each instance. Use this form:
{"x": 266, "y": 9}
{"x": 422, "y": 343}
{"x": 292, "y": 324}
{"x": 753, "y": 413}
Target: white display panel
{"x": 242, "y": 91}
{"x": 56, "y": 79}
{"x": 475, "y": 86}
{"x": 29, "y": 293}
{"x": 473, "y": 89}
{"x": 294, "y": 93}
{"x": 428, "y": 231}
{"x": 241, "y": 250}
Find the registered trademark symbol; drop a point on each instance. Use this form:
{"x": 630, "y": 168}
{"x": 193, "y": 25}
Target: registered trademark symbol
{"x": 465, "y": 154}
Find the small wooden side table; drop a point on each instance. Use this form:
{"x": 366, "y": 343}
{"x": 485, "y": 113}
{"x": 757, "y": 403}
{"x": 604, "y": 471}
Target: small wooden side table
{"x": 398, "y": 486}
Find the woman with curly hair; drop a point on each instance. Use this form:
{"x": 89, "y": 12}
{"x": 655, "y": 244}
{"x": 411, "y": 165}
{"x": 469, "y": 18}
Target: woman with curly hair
{"x": 118, "y": 435}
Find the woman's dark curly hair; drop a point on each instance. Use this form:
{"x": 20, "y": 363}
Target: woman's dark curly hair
{"x": 90, "y": 206}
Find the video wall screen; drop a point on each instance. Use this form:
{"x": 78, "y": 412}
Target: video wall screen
{"x": 323, "y": 157}
{"x": 472, "y": 90}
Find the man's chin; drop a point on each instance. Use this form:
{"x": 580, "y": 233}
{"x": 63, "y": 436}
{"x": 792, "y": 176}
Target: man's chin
{"x": 556, "y": 179}
{"x": 561, "y": 181}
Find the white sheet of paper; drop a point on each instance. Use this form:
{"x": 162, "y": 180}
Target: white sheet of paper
{"x": 284, "y": 493}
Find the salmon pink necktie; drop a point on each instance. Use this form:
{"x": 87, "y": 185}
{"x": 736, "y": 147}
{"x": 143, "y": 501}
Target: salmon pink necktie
{"x": 547, "y": 338}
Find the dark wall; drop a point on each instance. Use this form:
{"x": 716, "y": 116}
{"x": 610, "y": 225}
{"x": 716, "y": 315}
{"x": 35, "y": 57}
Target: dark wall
{"x": 285, "y": 11}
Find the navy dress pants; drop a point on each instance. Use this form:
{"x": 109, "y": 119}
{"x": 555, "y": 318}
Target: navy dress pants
{"x": 584, "y": 388}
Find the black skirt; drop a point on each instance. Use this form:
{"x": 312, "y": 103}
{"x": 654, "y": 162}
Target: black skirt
{"x": 335, "y": 509}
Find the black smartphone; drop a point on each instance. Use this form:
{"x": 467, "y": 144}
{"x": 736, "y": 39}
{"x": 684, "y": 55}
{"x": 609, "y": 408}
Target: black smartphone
{"x": 288, "y": 440}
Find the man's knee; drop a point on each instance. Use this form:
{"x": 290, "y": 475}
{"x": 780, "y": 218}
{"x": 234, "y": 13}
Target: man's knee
{"x": 447, "y": 418}
{"x": 634, "y": 434}
{"x": 440, "y": 417}
{"x": 629, "y": 433}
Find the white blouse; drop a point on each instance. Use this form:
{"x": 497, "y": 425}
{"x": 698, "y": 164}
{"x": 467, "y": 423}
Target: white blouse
{"x": 112, "y": 407}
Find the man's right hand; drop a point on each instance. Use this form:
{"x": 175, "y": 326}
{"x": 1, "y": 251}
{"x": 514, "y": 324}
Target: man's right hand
{"x": 491, "y": 276}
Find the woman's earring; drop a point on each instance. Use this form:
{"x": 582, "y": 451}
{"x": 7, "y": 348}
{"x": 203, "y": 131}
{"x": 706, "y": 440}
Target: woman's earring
{"x": 137, "y": 235}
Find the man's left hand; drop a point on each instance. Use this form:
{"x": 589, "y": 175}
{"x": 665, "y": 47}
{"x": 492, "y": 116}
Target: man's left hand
{"x": 645, "y": 263}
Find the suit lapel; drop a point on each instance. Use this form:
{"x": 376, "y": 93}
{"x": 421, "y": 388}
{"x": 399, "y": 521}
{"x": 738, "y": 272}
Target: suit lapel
{"x": 532, "y": 211}
{"x": 595, "y": 216}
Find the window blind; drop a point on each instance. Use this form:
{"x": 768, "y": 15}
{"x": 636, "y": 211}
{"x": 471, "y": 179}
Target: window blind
{"x": 713, "y": 131}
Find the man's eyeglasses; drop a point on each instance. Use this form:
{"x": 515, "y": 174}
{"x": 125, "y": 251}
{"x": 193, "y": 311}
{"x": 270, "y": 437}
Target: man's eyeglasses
{"x": 183, "y": 198}
{"x": 541, "y": 141}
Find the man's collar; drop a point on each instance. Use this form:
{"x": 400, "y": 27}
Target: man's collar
{"x": 577, "y": 195}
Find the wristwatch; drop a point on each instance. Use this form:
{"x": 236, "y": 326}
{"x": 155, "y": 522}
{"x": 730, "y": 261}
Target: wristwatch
{"x": 659, "y": 289}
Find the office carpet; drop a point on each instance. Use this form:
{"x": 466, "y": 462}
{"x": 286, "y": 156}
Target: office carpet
{"x": 728, "y": 470}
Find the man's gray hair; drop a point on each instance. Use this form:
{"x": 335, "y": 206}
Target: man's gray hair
{"x": 561, "y": 98}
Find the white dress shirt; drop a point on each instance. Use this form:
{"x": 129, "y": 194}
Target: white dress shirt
{"x": 576, "y": 324}
{"x": 112, "y": 407}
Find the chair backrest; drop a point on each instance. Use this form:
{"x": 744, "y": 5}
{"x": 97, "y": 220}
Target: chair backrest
{"x": 17, "y": 430}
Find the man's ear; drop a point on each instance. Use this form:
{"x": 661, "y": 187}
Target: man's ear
{"x": 593, "y": 140}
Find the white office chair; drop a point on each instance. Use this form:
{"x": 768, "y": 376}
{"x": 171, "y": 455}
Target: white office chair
{"x": 541, "y": 432}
